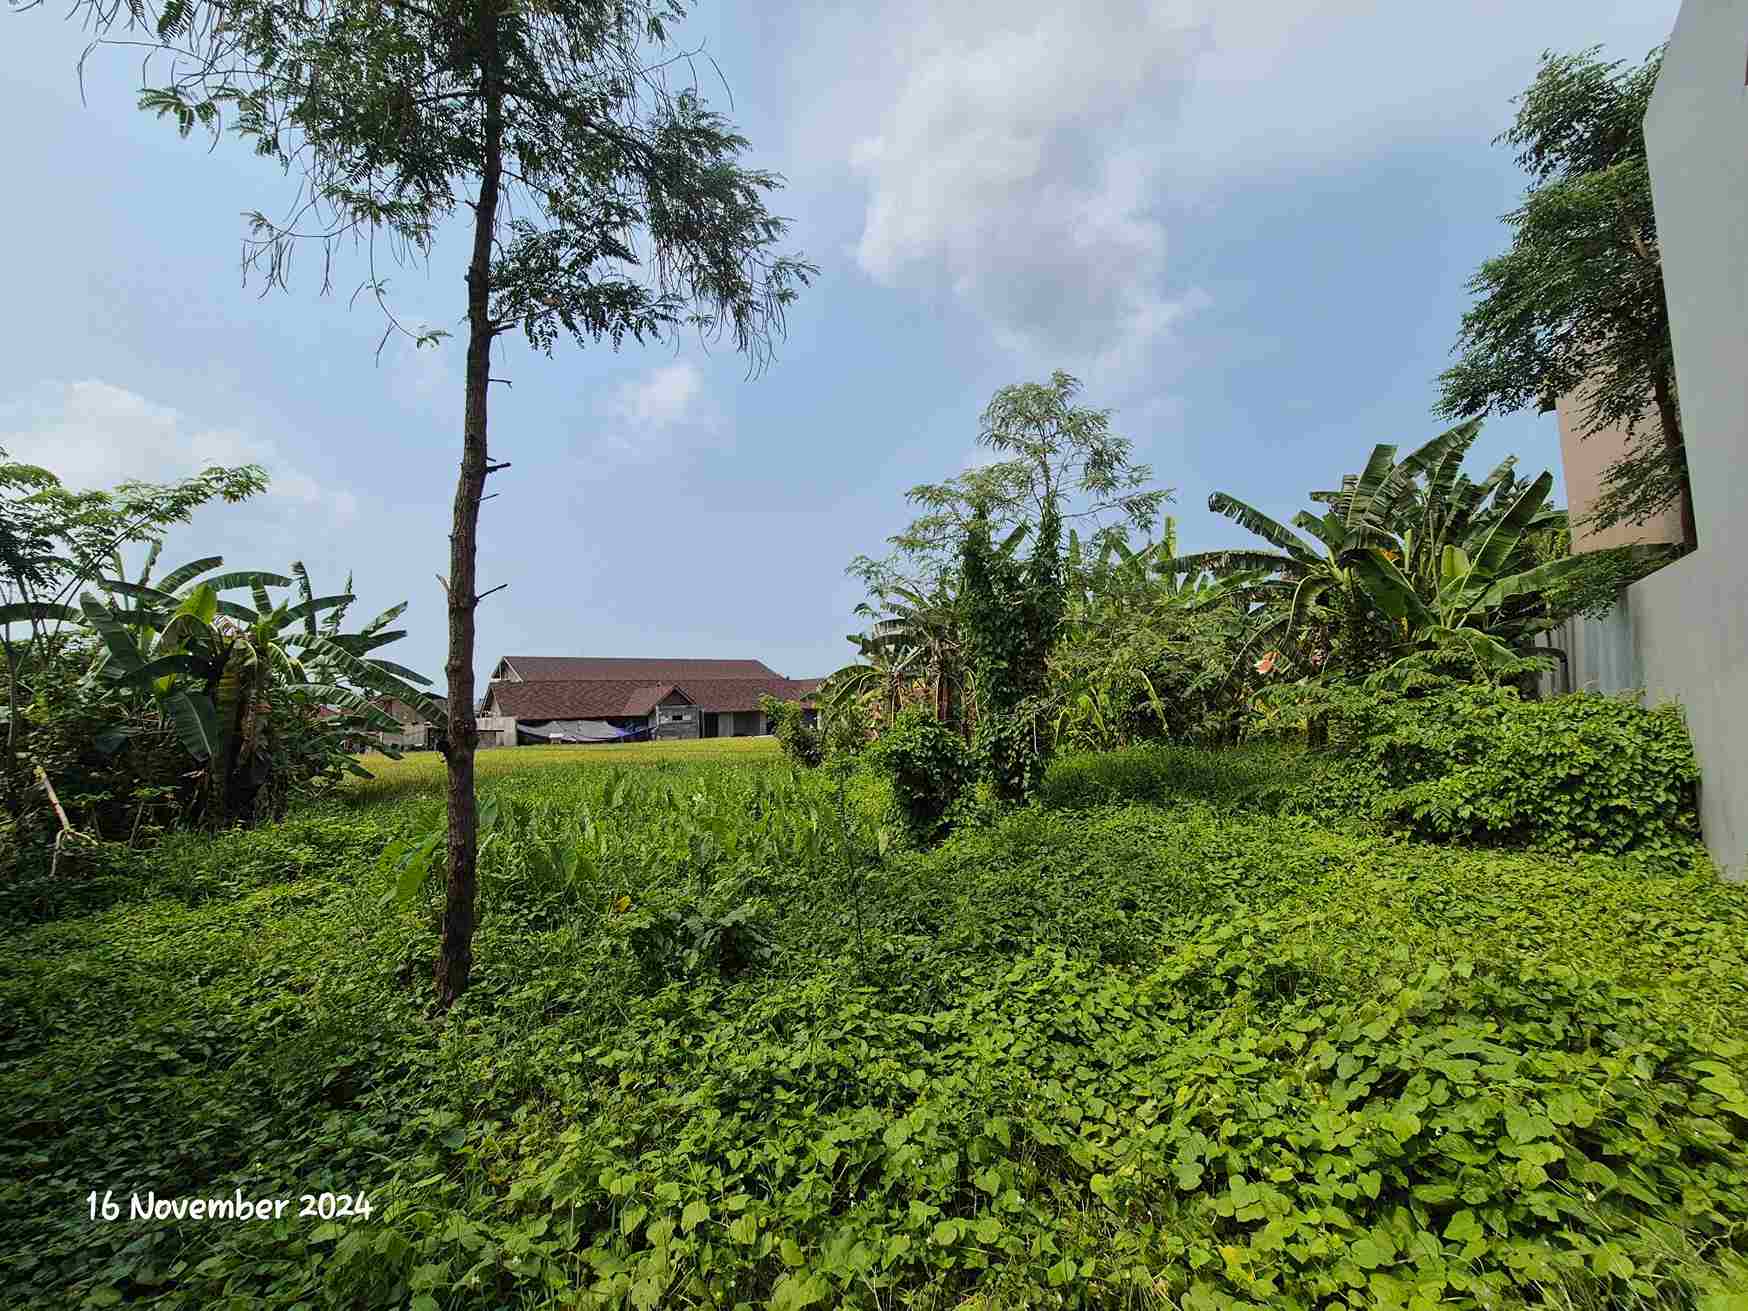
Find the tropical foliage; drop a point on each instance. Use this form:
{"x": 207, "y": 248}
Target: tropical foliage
{"x": 163, "y": 700}
{"x": 1412, "y": 560}
{"x": 1576, "y": 305}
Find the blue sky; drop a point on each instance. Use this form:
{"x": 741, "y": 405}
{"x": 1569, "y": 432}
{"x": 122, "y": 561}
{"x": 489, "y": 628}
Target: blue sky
{"x": 1245, "y": 226}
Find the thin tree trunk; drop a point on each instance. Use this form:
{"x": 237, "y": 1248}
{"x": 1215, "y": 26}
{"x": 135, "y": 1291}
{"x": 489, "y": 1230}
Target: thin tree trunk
{"x": 455, "y": 952}
{"x": 1669, "y": 419}
{"x": 14, "y": 787}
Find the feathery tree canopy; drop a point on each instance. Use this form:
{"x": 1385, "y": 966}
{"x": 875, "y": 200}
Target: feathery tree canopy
{"x": 600, "y": 203}
{"x": 1577, "y": 301}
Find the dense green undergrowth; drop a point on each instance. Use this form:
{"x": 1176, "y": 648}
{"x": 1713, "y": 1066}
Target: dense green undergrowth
{"x": 1470, "y": 764}
{"x": 721, "y": 1051}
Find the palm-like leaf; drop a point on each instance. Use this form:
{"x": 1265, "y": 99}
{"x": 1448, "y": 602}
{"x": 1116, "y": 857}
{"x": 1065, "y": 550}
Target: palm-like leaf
{"x": 188, "y": 573}
{"x": 191, "y": 715}
{"x": 250, "y": 578}
{"x": 37, "y": 612}
{"x": 1255, "y": 521}
{"x": 367, "y": 675}
{"x": 1502, "y": 538}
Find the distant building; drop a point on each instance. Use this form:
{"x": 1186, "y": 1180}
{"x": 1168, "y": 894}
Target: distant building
{"x": 592, "y": 699}
{"x": 415, "y": 734}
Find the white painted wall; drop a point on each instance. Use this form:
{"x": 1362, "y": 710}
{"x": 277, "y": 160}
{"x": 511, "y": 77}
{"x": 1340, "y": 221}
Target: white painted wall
{"x": 1690, "y": 620}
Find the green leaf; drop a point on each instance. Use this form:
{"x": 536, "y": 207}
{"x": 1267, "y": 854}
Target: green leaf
{"x": 117, "y": 639}
{"x": 188, "y": 572}
{"x": 195, "y": 721}
{"x": 24, "y": 612}
{"x": 1463, "y": 1227}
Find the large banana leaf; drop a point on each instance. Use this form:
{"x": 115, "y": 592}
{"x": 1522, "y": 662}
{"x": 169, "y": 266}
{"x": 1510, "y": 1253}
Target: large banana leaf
{"x": 306, "y": 594}
{"x": 384, "y": 619}
{"x": 1306, "y": 595}
{"x": 38, "y": 612}
{"x": 1502, "y": 538}
{"x": 167, "y": 665}
{"x": 1221, "y": 563}
{"x": 1538, "y": 579}
{"x": 1356, "y": 503}
{"x": 1443, "y": 452}
{"x": 1255, "y": 521}
{"x": 182, "y": 631}
{"x": 121, "y": 587}
{"x": 191, "y": 715}
{"x": 188, "y": 572}
{"x": 367, "y": 675}
{"x": 152, "y": 553}
{"x": 1390, "y": 588}
{"x": 118, "y": 639}
{"x": 308, "y": 608}
{"x": 358, "y": 643}
{"x": 201, "y": 604}
{"x": 250, "y": 578}
{"x": 232, "y": 697}
{"x": 344, "y": 698}
{"x": 399, "y": 671}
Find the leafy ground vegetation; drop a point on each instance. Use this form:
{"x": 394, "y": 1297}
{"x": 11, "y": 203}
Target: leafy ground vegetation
{"x": 722, "y": 1049}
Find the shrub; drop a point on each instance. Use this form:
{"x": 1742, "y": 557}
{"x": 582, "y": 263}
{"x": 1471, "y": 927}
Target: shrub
{"x": 929, "y": 768}
{"x": 1477, "y": 763}
{"x": 800, "y": 741}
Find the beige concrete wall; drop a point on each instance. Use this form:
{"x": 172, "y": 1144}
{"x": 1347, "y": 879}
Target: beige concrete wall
{"x": 1584, "y": 460}
{"x": 1690, "y": 620}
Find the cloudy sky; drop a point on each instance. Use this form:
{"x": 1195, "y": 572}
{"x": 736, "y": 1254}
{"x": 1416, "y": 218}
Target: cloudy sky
{"x": 1246, "y": 226}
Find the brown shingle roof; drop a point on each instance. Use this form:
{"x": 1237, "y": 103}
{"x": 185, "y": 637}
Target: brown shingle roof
{"x": 622, "y": 698}
{"x": 645, "y": 673}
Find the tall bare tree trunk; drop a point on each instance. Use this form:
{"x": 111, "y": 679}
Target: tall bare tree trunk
{"x": 455, "y": 952}
{"x": 1669, "y": 419}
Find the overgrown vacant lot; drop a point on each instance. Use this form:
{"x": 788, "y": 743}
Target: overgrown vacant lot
{"x": 721, "y": 1051}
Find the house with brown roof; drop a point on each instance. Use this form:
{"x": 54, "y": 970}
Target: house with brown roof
{"x": 582, "y": 699}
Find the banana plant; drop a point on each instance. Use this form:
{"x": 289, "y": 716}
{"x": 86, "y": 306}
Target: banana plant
{"x": 223, "y": 674}
{"x": 1475, "y": 605}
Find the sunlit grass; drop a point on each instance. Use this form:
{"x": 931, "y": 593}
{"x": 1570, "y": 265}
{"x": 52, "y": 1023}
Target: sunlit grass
{"x": 422, "y": 771}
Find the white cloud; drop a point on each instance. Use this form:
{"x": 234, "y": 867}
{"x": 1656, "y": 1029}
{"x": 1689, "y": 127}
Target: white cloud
{"x": 93, "y": 434}
{"x": 645, "y": 415}
{"x": 1013, "y": 166}
{"x": 1024, "y": 157}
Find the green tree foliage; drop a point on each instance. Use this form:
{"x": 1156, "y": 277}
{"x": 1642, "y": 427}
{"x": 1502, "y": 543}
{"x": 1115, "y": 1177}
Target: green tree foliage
{"x": 1578, "y": 300}
{"x": 1051, "y": 454}
{"x": 800, "y": 740}
{"x": 960, "y": 609}
{"x": 928, "y": 766}
{"x": 1145, "y": 652}
{"x": 602, "y": 205}
{"x": 1012, "y": 612}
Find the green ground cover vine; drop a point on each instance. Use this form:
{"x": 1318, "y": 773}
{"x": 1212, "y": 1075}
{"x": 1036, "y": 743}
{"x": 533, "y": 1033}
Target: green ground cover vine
{"x": 1167, "y": 1054}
